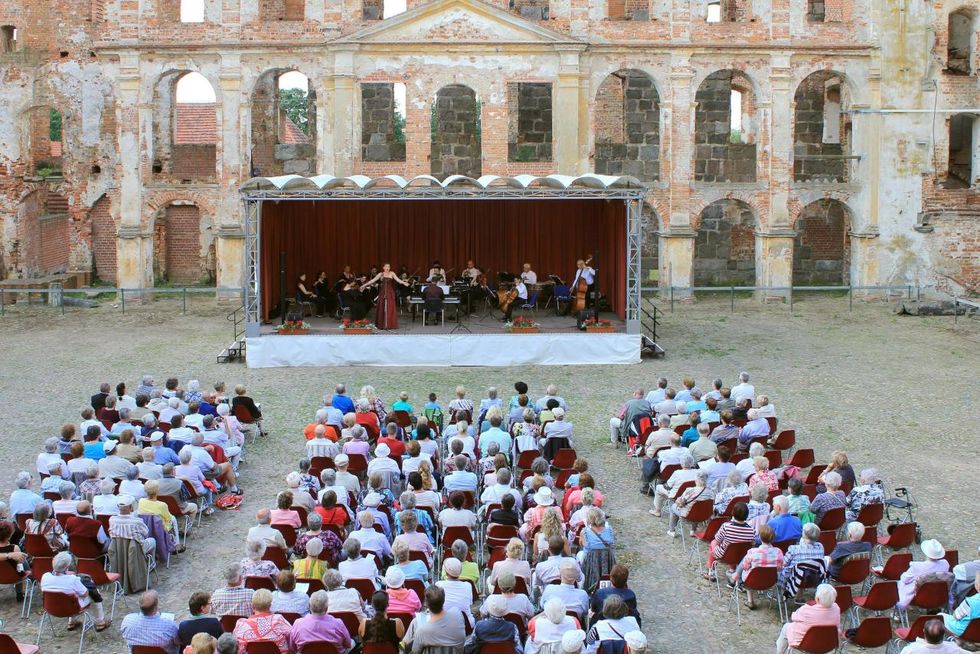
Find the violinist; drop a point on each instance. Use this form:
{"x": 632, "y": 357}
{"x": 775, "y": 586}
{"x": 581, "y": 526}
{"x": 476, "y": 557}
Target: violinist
{"x": 436, "y": 271}
{"x": 528, "y": 275}
{"x": 472, "y": 273}
{"x": 520, "y": 288}
{"x": 324, "y": 295}
{"x": 304, "y": 295}
{"x": 351, "y": 296}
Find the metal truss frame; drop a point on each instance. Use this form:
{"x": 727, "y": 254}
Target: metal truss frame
{"x": 253, "y": 200}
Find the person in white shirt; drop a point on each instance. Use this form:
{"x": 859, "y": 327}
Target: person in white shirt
{"x": 521, "y": 289}
{"x": 382, "y": 463}
{"x": 344, "y": 478}
{"x": 193, "y": 417}
{"x": 334, "y": 416}
{"x": 263, "y": 532}
{"x": 339, "y": 598}
{"x": 106, "y": 504}
{"x": 528, "y": 275}
{"x": 148, "y": 468}
{"x": 178, "y": 432}
{"x": 357, "y": 566}
{"x": 659, "y": 393}
{"x": 743, "y": 390}
{"x": 933, "y": 641}
{"x": 131, "y": 485}
{"x": 328, "y": 482}
{"x": 173, "y": 409}
{"x": 675, "y": 454}
{"x": 113, "y": 465}
{"x": 496, "y": 434}
{"x": 492, "y": 494}
{"x": 62, "y": 580}
{"x": 715, "y": 391}
{"x": 49, "y": 456}
{"x": 88, "y": 420}
{"x": 369, "y": 538}
{"x": 574, "y": 598}
{"x": 124, "y": 401}
{"x": 459, "y": 594}
{"x": 763, "y": 408}
{"x": 320, "y": 445}
{"x": 469, "y": 443}
{"x": 460, "y": 479}
{"x": 558, "y": 428}
{"x": 551, "y": 393}
{"x": 455, "y": 515}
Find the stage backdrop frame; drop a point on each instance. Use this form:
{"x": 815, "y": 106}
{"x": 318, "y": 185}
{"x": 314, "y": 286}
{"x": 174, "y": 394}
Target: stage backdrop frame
{"x": 287, "y": 188}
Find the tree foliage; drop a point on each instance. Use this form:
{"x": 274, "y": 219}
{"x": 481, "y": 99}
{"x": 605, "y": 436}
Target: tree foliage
{"x": 296, "y": 104}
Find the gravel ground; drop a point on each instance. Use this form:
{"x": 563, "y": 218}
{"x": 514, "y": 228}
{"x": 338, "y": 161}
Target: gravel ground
{"x": 850, "y": 380}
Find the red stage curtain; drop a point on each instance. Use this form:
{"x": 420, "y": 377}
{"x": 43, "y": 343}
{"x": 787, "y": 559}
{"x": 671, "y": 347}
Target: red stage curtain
{"x": 497, "y": 234}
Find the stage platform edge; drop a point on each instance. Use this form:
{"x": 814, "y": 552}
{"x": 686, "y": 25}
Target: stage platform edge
{"x": 443, "y": 350}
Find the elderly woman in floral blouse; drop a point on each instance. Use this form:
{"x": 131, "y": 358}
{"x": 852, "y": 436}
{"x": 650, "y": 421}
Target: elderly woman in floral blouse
{"x": 682, "y": 505}
{"x": 832, "y": 498}
{"x": 763, "y": 475}
{"x": 734, "y": 487}
{"x": 868, "y": 492}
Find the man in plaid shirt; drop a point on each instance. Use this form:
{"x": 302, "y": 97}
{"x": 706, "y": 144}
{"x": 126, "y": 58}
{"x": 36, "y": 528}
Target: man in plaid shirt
{"x": 763, "y": 556}
{"x": 233, "y": 599}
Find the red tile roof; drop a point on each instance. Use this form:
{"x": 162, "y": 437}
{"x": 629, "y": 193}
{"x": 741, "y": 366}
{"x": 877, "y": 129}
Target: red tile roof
{"x": 289, "y": 133}
{"x": 195, "y": 123}
{"x": 55, "y": 148}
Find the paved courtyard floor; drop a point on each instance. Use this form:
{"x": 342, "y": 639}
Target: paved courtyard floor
{"x": 897, "y": 393}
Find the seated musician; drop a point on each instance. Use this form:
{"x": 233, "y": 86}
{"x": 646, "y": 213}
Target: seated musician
{"x": 471, "y": 273}
{"x": 528, "y": 275}
{"x": 352, "y": 297}
{"x": 433, "y": 296}
{"x": 324, "y": 295}
{"x": 521, "y": 298}
{"x": 436, "y": 271}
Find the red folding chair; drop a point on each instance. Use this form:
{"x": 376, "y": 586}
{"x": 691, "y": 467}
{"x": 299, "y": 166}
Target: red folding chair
{"x": 910, "y": 634}
{"x": 833, "y": 519}
{"x": 785, "y": 440}
{"x": 288, "y": 533}
{"x": 502, "y": 647}
{"x": 357, "y": 464}
{"x": 9, "y": 577}
{"x": 758, "y": 580}
{"x": 562, "y": 479}
{"x": 21, "y": 520}
{"x": 972, "y": 632}
{"x": 228, "y": 622}
{"x": 37, "y": 546}
{"x": 63, "y": 605}
{"x": 821, "y": 639}
{"x": 452, "y": 534}
{"x": 829, "y": 540}
{"x": 262, "y": 647}
{"x": 147, "y": 649}
{"x": 319, "y": 647}
{"x": 289, "y": 617}
{"x": 405, "y": 618}
{"x": 526, "y": 458}
{"x": 813, "y": 476}
{"x": 517, "y": 620}
{"x": 10, "y": 646}
{"x": 952, "y": 558}
{"x": 417, "y": 586}
{"x": 364, "y": 587}
{"x": 564, "y": 458}
{"x": 255, "y": 582}
{"x": 899, "y": 537}
{"x": 775, "y": 458}
{"x": 930, "y": 596}
{"x": 735, "y": 502}
{"x": 881, "y": 597}
{"x": 350, "y": 620}
{"x": 700, "y": 511}
{"x": 277, "y": 556}
{"x": 705, "y": 536}
{"x": 802, "y": 458}
{"x": 872, "y": 632}
{"x": 896, "y": 564}
{"x": 734, "y": 554}
{"x": 870, "y": 515}
{"x": 499, "y": 535}
{"x": 100, "y": 578}
{"x": 854, "y": 571}
{"x": 312, "y": 585}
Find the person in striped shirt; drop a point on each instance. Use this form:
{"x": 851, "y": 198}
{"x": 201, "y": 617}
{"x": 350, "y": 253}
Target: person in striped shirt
{"x": 737, "y": 530}
{"x": 763, "y": 556}
{"x": 129, "y": 525}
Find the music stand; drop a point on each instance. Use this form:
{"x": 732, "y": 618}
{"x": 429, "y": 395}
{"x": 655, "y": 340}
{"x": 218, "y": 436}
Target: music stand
{"x": 488, "y": 296}
{"x": 460, "y": 327}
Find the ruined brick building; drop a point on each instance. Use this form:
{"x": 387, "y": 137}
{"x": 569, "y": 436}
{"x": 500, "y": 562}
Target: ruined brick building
{"x": 783, "y": 141}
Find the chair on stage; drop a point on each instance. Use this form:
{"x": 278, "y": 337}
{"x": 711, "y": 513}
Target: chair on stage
{"x": 532, "y": 303}
{"x": 433, "y": 307}
{"x": 562, "y": 294}
{"x": 342, "y": 307}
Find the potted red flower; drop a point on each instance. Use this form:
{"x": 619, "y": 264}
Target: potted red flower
{"x": 598, "y": 326}
{"x": 293, "y": 328}
{"x": 522, "y": 325}
{"x": 357, "y": 327}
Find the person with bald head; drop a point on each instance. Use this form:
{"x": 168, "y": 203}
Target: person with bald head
{"x": 84, "y": 525}
{"x": 264, "y": 532}
{"x": 148, "y": 627}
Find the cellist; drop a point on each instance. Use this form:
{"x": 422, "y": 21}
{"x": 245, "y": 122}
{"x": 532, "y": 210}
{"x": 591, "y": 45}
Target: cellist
{"x": 515, "y": 296}
{"x": 586, "y": 272}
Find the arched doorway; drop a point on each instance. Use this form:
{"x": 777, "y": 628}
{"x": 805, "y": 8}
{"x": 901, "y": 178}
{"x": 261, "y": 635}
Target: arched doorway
{"x": 626, "y": 123}
{"x": 821, "y": 251}
{"x": 724, "y": 248}
{"x": 456, "y": 133}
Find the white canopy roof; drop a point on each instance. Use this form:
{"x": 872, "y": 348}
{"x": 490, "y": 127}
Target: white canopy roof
{"x": 328, "y": 182}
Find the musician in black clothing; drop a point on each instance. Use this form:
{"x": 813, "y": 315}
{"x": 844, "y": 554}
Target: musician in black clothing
{"x": 324, "y": 295}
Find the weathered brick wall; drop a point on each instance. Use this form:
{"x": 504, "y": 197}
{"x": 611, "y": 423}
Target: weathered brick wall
{"x": 53, "y": 233}
{"x": 530, "y": 128}
{"x": 808, "y": 134}
{"x": 373, "y": 9}
{"x": 724, "y": 248}
{"x": 264, "y": 111}
{"x": 455, "y": 147}
{"x": 177, "y": 245}
{"x": 717, "y": 159}
{"x": 275, "y": 10}
{"x": 628, "y": 138}
{"x": 378, "y": 123}
{"x": 194, "y": 161}
{"x": 821, "y": 250}
{"x": 956, "y": 244}
{"x": 103, "y": 240}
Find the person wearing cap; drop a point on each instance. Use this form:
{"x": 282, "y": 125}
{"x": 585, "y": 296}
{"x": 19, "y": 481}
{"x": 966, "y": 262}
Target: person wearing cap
{"x": 933, "y": 565}
{"x": 550, "y": 626}
{"x": 637, "y": 641}
{"x": 616, "y": 622}
{"x": 113, "y": 465}
{"x": 544, "y": 499}
{"x": 369, "y": 538}
{"x": 459, "y": 594}
{"x": 400, "y": 599}
{"x": 558, "y": 428}
{"x": 371, "y": 503}
{"x": 344, "y": 478}
{"x": 382, "y": 463}
{"x": 161, "y": 452}
{"x": 494, "y": 628}
{"x": 128, "y": 525}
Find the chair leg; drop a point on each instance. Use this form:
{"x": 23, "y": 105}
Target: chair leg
{"x": 40, "y": 628}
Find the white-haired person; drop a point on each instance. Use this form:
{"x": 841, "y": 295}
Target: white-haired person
{"x": 491, "y": 400}
{"x": 517, "y": 603}
{"x": 50, "y": 456}
{"x": 616, "y": 621}
{"x": 743, "y": 389}
{"x": 824, "y": 612}
{"x": 682, "y": 505}
{"x": 320, "y": 445}
{"x": 371, "y": 539}
{"x": 855, "y": 544}
{"x": 572, "y": 597}
{"x": 672, "y": 487}
{"x": 867, "y": 492}
{"x": 216, "y": 436}
{"x": 310, "y": 566}
{"x": 341, "y": 598}
{"x": 494, "y": 628}
{"x": 253, "y": 565}
{"x": 514, "y": 562}
{"x": 548, "y": 627}
{"x": 832, "y": 498}
{"x": 301, "y": 496}
{"x": 762, "y": 556}
{"x": 357, "y": 566}
{"x": 62, "y": 579}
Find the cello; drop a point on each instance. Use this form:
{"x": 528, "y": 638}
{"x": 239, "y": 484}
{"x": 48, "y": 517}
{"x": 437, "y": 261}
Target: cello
{"x": 507, "y": 298}
{"x": 580, "y": 291}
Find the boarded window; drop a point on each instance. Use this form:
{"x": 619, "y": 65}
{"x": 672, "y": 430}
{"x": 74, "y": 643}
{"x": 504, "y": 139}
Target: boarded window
{"x": 529, "y": 121}
{"x": 382, "y": 122}
{"x": 456, "y": 133}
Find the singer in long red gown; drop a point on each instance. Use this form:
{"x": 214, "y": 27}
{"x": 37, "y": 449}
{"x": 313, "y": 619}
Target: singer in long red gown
{"x": 386, "y": 316}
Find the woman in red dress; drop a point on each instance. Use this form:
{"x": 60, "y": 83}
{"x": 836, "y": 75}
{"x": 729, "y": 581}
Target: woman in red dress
{"x": 387, "y": 314}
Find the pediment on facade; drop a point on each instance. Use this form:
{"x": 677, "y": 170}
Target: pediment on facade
{"x": 456, "y": 22}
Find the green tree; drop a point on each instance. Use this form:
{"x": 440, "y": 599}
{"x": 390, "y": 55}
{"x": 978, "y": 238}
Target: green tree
{"x": 399, "y": 128}
{"x": 55, "y": 125}
{"x": 296, "y": 104}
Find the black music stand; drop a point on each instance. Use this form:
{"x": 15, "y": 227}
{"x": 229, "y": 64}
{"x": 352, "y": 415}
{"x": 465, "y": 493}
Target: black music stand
{"x": 460, "y": 327}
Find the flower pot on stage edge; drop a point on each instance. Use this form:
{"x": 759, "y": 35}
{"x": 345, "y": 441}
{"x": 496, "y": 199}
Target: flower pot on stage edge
{"x": 293, "y": 328}
{"x": 524, "y": 330}
{"x": 601, "y": 330}
{"x": 292, "y": 332}
{"x": 522, "y": 325}
{"x": 358, "y": 330}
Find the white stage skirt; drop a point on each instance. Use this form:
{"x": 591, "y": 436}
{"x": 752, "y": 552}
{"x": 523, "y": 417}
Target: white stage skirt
{"x": 499, "y": 350}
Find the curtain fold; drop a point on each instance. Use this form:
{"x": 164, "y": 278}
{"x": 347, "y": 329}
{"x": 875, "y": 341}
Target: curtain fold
{"x": 499, "y": 235}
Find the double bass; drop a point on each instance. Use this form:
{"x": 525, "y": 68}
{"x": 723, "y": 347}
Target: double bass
{"x": 507, "y": 298}
{"x": 580, "y": 291}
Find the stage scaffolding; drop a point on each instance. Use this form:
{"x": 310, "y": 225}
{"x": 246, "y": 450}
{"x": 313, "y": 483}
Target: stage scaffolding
{"x": 259, "y": 190}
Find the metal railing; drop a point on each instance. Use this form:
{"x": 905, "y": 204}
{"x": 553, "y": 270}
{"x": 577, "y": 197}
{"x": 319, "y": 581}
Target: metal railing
{"x": 56, "y": 294}
{"x": 650, "y": 320}
{"x": 673, "y": 291}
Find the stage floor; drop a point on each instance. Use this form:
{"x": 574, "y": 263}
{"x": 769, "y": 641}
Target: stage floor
{"x": 487, "y": 344}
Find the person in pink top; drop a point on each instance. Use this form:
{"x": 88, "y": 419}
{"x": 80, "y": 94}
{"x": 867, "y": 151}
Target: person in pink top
{"x": 263, "y": 624}
{"x": 824, "y": 612}
{"x": 358, "y": 443}
{"x": 400, "y": 599}
{"x": 934, "y": 564}
{"x": 283, "y": 514}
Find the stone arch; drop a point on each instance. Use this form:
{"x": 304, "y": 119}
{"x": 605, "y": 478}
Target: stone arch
{"x": 456, "y": 133}
{"x": 185, "y": 134}
{"x": 821, "y": 249}
{"x": 283, "y": 128}
{"x": 43, "y": 232}
{"x": 626, "y": 125}
{"x": 104, "y": 235}
{"x": 724, "y": 247}
{"x": 822, "y": 135}
{"x": 725, "y": 126}
{"x": 180, "y": 255}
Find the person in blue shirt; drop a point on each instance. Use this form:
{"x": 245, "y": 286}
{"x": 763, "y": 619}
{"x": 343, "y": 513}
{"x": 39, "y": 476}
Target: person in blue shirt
{"x": 619, "y": 575}
{"x": 785, "y": 525}
{"x": 695, "y": 403}
{"x": 402, "y": 404}
{"x": 341, "y": 401}
{"x": 93, "y": 444}
{"x": 162, "y": 453}
{"x": 691, "y": 434}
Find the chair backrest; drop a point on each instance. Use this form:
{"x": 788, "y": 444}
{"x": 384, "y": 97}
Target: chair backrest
{"x": 364, "y": 587}
{"x": 901, "y": 536}
{"x": 85, "y": 547}
{"x": 828, "y": 538}
{"x": 313, "y": 585}
{"x": 517, "y": 620}
{"x": 785, "y": 440}
{"x": 972, "y": 632}
{"x": 820, "y": 639}
{"x": 952, "y": 558}
{"x": 262, "y": 647}
{"x": 172, "y": 505}
{"x": 417, "y": 586}
{"x": 814, "y": 474}
{"x": 350, "y": 620}
{"x": 931, "y": 595}
{"x": 882, "y": 596}
{"x": 319, "y": 647}
{"x": 873, "y": 631}
{"x": 526, "y": 458}
{"x": 855, "y": 570}
{"x": 833, "y": 519}
{"x": 734, "y": 553}
{"x": 277, "y": 556}
{"x": 803, "y": 458}
{"x": 700, "y": 511}
{"x": 142, "y": 649}
{"x": 255, "y": 582}
{"x": 379, "y": 648}
{"x": 709, "y": 532}
{"x": 243, "y": 414}
{"x": 404, "y": 418}
{"x": 288, "y": 533}
{"x": 564, "y": 458}
{"x": 761, "y": 578}
{"x": 451, "y": 534}
{"x": 502, "y": 647}
{"x": 733, "y": 503}
{"x": 356, "y": 463}
{"x": 871, "y": 514}
{"x": 60, "y": 605}
{"x": 21, "y": 520}
{"x": 37, "y": 545}
{"x": 290, "y": 617}
{"x": 228, "y": 622}
{"x": 896, "y": 564}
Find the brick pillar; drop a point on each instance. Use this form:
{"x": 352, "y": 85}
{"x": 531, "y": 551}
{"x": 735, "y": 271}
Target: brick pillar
{"x": 344, "y": 110}
{"x": 677, "y": 259}
{"x": 566, "y": 110}
{"x": 774, "y": 263}
{"x": 677, "y": 168}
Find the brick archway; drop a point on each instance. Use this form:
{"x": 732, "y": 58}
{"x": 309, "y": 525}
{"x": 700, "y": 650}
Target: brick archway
{"x": 103, "y": 240}
{"x": 724, "y": 248}
{"x": 821, "y": 251}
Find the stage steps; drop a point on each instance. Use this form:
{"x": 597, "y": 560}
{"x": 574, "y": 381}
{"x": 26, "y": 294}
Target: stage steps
{"x": 235, "y": 351}
{"x": 650, "y": 347}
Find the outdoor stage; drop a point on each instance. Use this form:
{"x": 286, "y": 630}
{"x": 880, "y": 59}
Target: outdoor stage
{"x": 299, "y": 225}
{"x": 559, "y": 343}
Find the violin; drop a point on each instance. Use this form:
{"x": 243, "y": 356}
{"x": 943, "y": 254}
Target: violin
{"x": 580, "y": 291}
